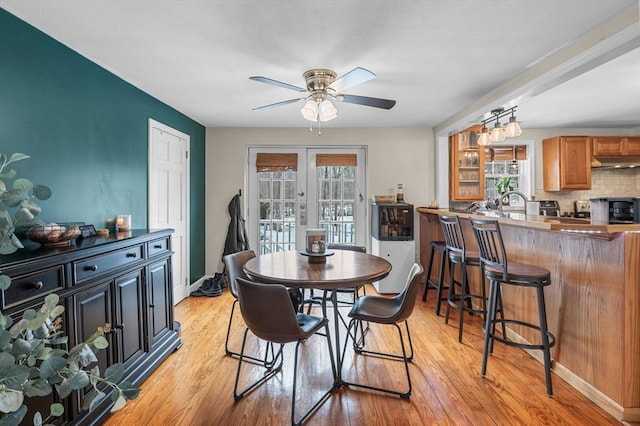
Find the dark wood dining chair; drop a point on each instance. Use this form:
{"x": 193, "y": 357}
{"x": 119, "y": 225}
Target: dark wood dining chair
{"x": 269, "y": 314}
{"x": 386, "y": 311}
{"x": 233, "y": 264}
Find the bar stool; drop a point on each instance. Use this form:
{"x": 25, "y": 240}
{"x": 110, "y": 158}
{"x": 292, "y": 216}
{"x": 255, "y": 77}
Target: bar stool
{"x": 436, "y": 247}
{"x": 459, "y": 255}
{"x": 501, "y": 272}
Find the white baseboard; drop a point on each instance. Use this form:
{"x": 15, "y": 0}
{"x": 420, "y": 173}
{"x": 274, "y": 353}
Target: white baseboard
{"x": 631, "y": 414}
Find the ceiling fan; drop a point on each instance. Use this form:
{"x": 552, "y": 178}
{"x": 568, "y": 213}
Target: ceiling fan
{"x": 322, "y": 87}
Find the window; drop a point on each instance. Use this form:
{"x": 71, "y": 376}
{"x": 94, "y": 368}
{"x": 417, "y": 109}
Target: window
{"x": 506, "y": 161}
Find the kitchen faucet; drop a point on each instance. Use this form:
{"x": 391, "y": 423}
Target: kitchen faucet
{"x": 518, "y": 193}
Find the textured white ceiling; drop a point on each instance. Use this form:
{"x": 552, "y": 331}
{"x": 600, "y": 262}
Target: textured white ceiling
{"x": 440, "y": 59}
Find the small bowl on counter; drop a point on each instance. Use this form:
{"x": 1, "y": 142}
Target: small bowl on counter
{"x": 53, "y": 235}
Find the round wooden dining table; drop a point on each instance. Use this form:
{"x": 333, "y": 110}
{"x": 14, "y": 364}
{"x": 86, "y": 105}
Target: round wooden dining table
{"x": 342, "y": 269}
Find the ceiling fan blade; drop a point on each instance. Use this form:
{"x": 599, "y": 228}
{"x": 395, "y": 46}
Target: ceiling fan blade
{"x": 364, "y": 100}
{"x": 277, "y": 83}
{"x": 277, "y": 104}
{"x": 355, "y": 76}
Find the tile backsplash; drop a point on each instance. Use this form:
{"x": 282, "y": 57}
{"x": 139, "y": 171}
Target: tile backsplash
{"x": 604, "y": 183}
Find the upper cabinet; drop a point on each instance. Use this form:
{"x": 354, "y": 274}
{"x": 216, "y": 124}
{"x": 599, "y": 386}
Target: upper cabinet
{"x": 566, "y": 163}
{"x": 615, "y": 146}
{"x": 466, "y": 181}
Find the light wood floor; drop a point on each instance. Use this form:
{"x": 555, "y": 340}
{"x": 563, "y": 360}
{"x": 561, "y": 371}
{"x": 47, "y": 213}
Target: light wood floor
{"x": 195, "y": 385}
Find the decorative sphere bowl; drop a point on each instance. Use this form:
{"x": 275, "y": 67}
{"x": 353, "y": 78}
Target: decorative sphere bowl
{"x": 53, "y": 235}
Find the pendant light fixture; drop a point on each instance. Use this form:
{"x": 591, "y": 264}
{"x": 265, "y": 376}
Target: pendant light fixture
{"x": 498, "y": 132}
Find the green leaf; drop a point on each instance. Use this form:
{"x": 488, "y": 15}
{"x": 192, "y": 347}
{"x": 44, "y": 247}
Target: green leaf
{"x": 14, "y": 418}
{"x": 56, "y": 311}
{"x": 79, "y": 380}
{"x": 17, "y": 156}
{"x": 39, "y": 387}
{"x": 5, "y": 338}
{"x": 23, "y": 184}
{"x": 114, "y": 373}
{"x": 51, "y": 366}
{"x": 92, "y": 398}
{"x": 120, "y": 403}
{"x": 128, "y": 390}
{"x": 100, "y": 342}
{"x": 37, "y": 419}
{"x": 21, "y": 347}
{"x": 15, "y": 377}
{"x": 64, "y": 389}
{"x": 9, "y": 174}
{"x": 10, "y": 401}
{"x": 5, "y": 282}
{"x": 57, "y": 409}
{"x": 83, "y": 354}
{"x": 6, "y": 361}
{"x": 13, "y": 197}
{"x": 41, "y": 192}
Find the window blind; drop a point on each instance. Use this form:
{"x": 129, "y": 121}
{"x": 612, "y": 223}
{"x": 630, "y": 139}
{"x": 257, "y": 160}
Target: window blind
{"x": 276, "y": 162}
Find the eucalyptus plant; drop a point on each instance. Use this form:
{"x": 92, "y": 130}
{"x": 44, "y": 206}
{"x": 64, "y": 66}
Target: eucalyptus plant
{"x": 19, "y": 195}
{"x": 35, "y": 360}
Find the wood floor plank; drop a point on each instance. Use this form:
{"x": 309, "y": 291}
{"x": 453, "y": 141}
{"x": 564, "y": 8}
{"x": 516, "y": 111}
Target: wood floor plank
{"x": 194, "y": 386}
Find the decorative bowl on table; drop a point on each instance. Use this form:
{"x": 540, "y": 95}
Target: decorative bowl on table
{"x": 53, "y": 235}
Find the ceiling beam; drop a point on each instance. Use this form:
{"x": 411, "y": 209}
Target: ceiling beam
{"x": 612, "y": 39}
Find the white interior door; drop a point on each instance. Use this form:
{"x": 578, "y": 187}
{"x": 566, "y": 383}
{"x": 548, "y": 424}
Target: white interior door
{"x": 292, "y": 189}
{"x": 168, "y": 197}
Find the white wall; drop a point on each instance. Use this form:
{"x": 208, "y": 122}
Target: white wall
{"x": 393, "y": 156}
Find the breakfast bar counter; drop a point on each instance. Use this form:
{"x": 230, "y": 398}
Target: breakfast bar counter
{"x": 593, "y": 303}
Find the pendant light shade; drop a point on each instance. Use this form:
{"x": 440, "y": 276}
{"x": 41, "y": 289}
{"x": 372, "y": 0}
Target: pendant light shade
{"x": 483, "y": 140}
{"x": 513, "y": 129}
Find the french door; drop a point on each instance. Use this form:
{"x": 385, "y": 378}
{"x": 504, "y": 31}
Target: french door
{"x": 293, "y": 189}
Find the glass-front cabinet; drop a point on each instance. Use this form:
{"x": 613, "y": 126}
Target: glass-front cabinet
{"x": 466, "y": 180}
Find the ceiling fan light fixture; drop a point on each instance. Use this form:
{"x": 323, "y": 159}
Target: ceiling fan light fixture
{"x": 310, "y": 110}
{"x": 328, "y": 111}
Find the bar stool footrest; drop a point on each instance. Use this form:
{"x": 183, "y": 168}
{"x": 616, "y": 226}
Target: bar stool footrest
{"x": 507, "y": 341}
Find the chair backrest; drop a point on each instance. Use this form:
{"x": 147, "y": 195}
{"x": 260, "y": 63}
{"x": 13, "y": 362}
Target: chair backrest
{"x": 453, "y": 237}
{"x": 407, "y": 298}
{"x": 233, "y": 263}
{"x": 490, "y": 244}
{"x": 342, "y": 246}
{"x": 268, "y": 312}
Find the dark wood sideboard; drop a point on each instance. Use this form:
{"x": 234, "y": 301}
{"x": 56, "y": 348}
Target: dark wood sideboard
{"x": 124, "y": 280}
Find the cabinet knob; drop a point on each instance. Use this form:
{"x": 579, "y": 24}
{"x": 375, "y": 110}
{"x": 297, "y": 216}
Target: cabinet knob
{"x": 38, "y": 285}
{"x": 93, "y": 268}
{"x": 151, "y": 305}
{"x": 119, "y": 327}
{"x": 131, "y": 254}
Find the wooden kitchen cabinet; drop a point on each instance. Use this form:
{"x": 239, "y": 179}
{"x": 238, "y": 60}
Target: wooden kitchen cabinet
{"x": 632, "y": 146}
{"x": 566, "y": 163}
{"x": 615, "y": 146}
{"x": 124, "y": 280}
{"x": 466, "y": 170}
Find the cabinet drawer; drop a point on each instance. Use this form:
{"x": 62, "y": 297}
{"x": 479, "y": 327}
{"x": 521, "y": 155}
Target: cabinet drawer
{"x": 32, "y": 286}
{"x": 158, "y": 246}
{"x": 99, "y": 265}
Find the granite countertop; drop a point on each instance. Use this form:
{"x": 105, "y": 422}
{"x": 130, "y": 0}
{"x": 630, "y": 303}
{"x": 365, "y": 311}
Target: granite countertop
{"x": 553, "y": 223}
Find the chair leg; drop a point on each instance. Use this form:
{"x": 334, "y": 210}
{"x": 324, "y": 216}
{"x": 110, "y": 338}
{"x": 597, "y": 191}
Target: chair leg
{"x": 544, "y": 334}
{"x": 295, "y": 380}
{"x": 266, "y": 361}
{"x": 428, "y": 275}
{"x": 443, "y": 261}
{"x": 270, "y": 371}
{"x": 489, "y": 325}
{"x": 451, "y": 293}
{"x": 463, "y": 299}
{"x": 406, "y": 359}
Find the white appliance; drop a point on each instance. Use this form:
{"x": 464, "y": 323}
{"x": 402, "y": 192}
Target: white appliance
{"x": 401, "y": 255}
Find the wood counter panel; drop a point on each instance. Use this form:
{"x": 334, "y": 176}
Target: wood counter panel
{"x": 593, "y": 303}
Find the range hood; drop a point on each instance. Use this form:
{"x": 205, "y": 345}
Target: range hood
{"x": 621, "y": 162}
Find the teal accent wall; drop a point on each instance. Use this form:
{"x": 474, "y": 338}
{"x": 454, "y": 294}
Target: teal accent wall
{"x": 86, "y": 131}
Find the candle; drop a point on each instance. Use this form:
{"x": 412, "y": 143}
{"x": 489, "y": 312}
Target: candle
{"x": 124, "y": 222}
